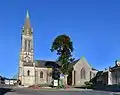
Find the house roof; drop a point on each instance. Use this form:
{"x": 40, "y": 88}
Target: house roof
{"x": 9, "y": 79}
{"x": 1, "y": 77}
{"x": 117, "y": 66}
{"x": 114, "y": 68}
{"x": 94, "y": 69}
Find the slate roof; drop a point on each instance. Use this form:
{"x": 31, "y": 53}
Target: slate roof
{"x": 114, "y": 68}
{"x": 52, "y": 64}
{"x": 99, "y": 73}
{"x": 94, "y": 69}
{"x": 28, "y": 64}
{"x": 1, "y": 77}
{"x": 80, "y": 59}
{"x": 75, "y": 61}
{"x": 44, "y": 64}
{"x": 40, "y": 63}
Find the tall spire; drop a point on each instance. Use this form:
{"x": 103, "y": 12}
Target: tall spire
{"x": 27, "y": 14}
{"x": 27, "y": 21}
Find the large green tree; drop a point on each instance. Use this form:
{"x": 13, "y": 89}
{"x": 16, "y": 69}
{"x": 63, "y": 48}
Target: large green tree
{"x": 63, "y": 46}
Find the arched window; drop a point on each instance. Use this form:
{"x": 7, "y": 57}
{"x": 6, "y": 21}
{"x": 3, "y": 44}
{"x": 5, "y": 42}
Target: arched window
{"x": 25, "y": 45}
{"x": 29, "y": 45}
{"x": 94, "y": 75}
{"x": 83, "y": 76}
{"x": 90, "y": 75}
{"x": 41, "y": 74}
{"x": 28, "y": 72}
{"x": 74, "y": 77}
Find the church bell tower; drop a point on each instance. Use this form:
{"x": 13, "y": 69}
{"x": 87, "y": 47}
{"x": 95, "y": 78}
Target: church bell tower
{"x": 27, "y": 42}
{"x": 26, "y": 52}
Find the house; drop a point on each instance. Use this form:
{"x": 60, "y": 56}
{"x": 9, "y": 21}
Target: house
{"x": 111, "y": 75}
{"x": 10, "y": 81}
{"x": 2, "y": 81}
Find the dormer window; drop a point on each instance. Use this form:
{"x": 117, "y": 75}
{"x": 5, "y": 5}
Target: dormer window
{"x": 25, "y": 45}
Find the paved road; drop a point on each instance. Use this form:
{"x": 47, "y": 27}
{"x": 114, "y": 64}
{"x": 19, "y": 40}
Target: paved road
{"x": 25, "y": 91}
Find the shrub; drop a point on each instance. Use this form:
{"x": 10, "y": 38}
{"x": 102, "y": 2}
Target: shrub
{"x": 88, "y": 83}
{"x": 61, "y": 86}
{"x": 86, "y": 86}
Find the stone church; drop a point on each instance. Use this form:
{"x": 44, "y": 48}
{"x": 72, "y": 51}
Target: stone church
{"x": 32, "y": 71}
{"x": 39, "y": 71}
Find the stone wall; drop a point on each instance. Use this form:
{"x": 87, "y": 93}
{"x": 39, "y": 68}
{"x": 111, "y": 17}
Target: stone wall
{"x": 76, "y": 73}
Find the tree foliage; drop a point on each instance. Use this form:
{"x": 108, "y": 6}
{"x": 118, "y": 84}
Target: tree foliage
{"x": 63, "y": 46}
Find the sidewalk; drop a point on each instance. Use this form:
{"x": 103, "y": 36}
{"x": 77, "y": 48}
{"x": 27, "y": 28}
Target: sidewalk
{"x": 13, "y": 93}
{"x": 61, "y": 89}
{"x": 115, "y": 93}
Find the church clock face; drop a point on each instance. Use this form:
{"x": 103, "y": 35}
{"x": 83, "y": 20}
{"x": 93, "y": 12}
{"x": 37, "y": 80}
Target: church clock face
{"x": 27, "y": 57}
